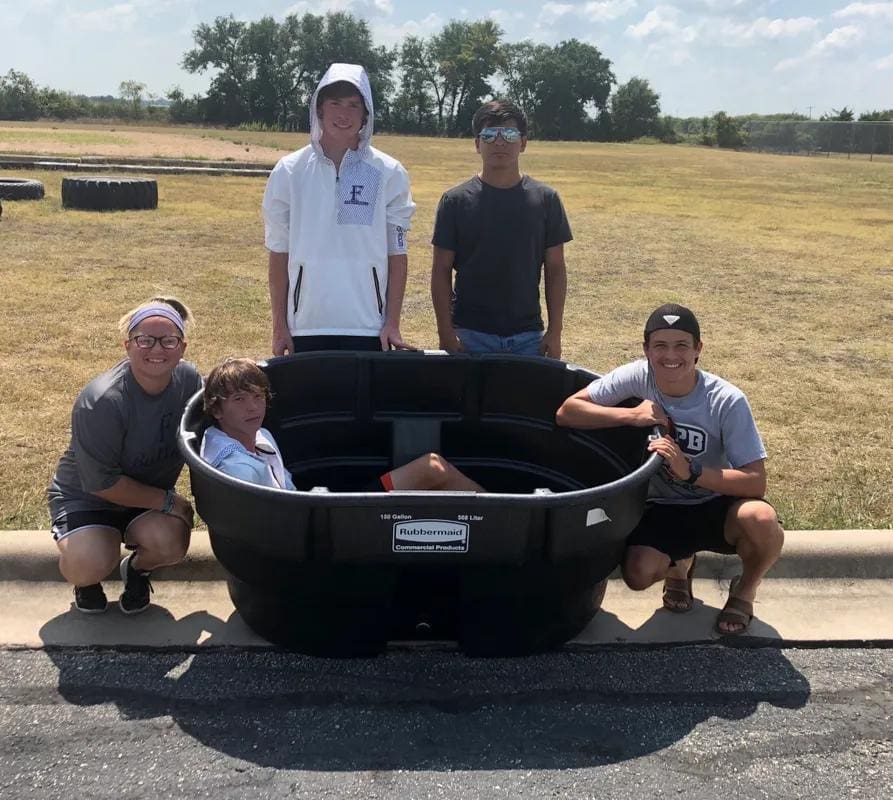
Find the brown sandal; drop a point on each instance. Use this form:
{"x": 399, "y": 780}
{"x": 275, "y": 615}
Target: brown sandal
{"x": 678, "y": 590}
{"x": 735, "y": 612}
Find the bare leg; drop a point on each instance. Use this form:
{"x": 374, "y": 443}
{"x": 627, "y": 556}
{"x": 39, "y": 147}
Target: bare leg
{"x": 432, "y": 472}
{"x": 89, "y": 555}
{"x": 753, "y": 528}
{"x": 644, "y": 566}
{"x": 160, "y": 540}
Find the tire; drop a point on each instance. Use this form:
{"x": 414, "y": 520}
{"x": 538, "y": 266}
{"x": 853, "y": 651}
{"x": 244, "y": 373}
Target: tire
{"x": 110, "y": 194}
{"x": 20, "y": 189}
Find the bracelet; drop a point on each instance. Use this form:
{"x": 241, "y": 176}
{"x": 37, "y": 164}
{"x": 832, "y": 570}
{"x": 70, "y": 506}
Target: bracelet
{"x": 168, "y": 506}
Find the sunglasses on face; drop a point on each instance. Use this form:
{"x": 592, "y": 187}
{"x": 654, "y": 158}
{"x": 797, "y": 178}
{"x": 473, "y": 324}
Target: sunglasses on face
{"x": 509, "y": 135}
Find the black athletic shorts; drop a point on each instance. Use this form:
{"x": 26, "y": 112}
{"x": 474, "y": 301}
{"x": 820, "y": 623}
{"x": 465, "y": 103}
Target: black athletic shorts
{"x": 66, "y": 524}
{"x": 680, "y": 530}
{"x": 307, "y": 344}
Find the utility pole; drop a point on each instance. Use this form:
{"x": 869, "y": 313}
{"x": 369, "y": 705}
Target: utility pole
{"x": 810, "y": 111}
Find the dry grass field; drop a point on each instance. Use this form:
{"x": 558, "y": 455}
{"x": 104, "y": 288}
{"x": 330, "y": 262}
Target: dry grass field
{"x": 788, "y": 262}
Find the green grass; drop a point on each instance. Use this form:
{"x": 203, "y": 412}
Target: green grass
{"x": 786, "y": 260}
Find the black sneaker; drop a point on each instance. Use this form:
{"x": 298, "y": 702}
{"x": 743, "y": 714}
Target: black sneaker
{"x": 90, "y": 599}
{"x": 135, "y": 597}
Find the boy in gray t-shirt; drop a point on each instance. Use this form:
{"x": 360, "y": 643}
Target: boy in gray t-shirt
{"x": 709, "y": 496}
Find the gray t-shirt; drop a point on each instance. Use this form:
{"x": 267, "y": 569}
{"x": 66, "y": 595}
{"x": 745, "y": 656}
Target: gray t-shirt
{"x": 713, "y": 424}
{"x": 117, "y": 429}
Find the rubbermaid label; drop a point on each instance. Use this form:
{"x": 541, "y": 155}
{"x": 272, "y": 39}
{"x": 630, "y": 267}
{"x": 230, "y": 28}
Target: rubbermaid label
{"x": 430, "y": 536}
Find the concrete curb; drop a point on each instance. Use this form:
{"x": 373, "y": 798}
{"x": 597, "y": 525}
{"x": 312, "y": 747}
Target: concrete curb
{"x": 849, "y": 554}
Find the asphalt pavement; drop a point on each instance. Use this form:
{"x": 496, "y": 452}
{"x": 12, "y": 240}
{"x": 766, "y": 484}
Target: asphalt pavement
{"x": 696, "y": 722}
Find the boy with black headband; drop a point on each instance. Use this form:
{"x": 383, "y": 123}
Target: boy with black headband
{"x": 500, "y": 231}
{"x": 709, "y": 496}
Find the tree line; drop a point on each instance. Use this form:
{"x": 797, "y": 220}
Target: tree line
{"x": 264, "y": 73}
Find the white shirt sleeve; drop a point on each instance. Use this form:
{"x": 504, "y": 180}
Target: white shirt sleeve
{"x": 400, "y": 205}
{"x": 276, "y": 209}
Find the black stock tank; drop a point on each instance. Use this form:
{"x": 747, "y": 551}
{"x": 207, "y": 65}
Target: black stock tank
{"x": 334, "y": 569}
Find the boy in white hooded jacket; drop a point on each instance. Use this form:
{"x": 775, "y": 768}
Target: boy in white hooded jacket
{"x": 336, "y": 214}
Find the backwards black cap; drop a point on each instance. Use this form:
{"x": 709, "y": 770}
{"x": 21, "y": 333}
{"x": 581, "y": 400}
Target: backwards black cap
{"x": 672, "y": 316}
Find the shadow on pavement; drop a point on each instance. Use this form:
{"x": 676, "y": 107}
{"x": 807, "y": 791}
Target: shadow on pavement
{"x": 430, "y": 709}
{"x": 665, "y": 626}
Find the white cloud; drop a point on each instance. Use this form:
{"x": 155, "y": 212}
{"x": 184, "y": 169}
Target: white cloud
{"x": 119, "y": 17}
{"x": 502, "y": 17}
{"x": 593, "y": 11}
{"x": 125, "y": 16}
{"x": 384, "y": 8}
{"x": 883, "y": 11}
{"x": 390, "y": 34}
{"x": 765, "y": 28}
{"x": 838, "y": 39}
{"x": 884, "y": 63}
{"x": 662, "y": 22}
{"x": 556, "y": 10}
{"x": 714, "y": 7}
{"x": 607, "y": 10}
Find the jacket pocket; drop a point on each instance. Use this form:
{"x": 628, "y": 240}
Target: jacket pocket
{"x": 377, "y": 286}
{"x": 296, "y": 295}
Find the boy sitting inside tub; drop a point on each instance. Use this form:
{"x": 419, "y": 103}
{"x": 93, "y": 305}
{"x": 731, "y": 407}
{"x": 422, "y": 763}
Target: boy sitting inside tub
{"x": 235, "y": 397}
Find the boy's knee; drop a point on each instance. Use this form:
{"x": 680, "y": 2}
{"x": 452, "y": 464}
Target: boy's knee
{"x": 438, "y": 466}
{"x": 82, "y": 569}
{"x": 639, "y": 572}
{"x": 163, "y": 544}
{"x": 760, "y": 528}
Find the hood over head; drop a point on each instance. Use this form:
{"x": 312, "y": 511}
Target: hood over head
{"x": 354, "y": 74}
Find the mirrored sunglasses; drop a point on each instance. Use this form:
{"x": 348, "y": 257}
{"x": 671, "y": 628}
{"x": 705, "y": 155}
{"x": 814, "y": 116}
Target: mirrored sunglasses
{"x": 509, "y": 135}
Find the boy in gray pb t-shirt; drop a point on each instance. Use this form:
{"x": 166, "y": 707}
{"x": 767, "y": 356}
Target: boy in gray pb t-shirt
{"x": 709, "y": 496}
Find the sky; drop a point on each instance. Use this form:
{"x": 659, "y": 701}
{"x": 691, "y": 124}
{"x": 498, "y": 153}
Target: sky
{"x": 700, "y": 56}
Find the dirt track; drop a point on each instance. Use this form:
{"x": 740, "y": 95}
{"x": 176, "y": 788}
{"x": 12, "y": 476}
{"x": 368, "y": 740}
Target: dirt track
{"x": 111, "y": 141}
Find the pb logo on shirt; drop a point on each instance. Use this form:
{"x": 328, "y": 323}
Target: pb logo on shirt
{"x": 691, "y": 439}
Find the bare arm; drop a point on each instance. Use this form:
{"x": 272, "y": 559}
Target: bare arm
{"x": 398, "y": 268}
{"x": 555, "y": 278}
{"x": 133, "y": 494}
{"x": 746, "y": 481}
{"x": 578, "y": 411}
{"x": 278, "y": 280}
{"x": 441, "y": 297}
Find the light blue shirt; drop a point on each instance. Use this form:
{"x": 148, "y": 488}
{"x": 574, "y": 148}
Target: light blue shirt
{"x": 713, "y": 424}
{"x": 264, "y": 466}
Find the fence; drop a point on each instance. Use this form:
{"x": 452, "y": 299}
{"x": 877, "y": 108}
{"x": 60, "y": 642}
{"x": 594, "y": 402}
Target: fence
{"x": 820, "y": 137}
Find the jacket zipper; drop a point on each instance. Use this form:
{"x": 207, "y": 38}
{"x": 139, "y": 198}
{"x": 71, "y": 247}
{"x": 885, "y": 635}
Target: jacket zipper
{"x": 377, "y": 290}
{"x": 296, "y": 297}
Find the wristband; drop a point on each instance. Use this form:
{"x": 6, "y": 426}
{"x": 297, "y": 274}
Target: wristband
{"x": 169, "y": 498}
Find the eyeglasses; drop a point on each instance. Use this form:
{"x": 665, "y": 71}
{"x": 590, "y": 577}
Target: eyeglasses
{"x": 145, "y": 342}
{"x": 509, "y": 135}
